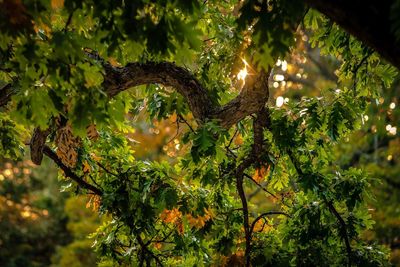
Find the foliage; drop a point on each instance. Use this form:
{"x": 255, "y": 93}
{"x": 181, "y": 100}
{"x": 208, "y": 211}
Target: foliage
{"x": 64, "y": 61}
{"x": 81, "y": 223}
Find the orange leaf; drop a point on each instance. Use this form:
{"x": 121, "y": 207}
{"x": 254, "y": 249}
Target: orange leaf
{"x": 179, "y": 224}
{"x": 86, "y": 167}
{"x": 113, "y": 62}
{"x": 94, "y": 202}
{"x": 158, "y": 245}
{"x": 238, "y": 140}
{"x": 170, "y": 216}
{"x": 199, "y": 221}
{"x": 260, "y": 174}
{"x": 56, "y": 4}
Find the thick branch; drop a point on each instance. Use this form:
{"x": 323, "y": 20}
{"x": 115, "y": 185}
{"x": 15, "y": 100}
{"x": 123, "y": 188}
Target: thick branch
{"x": 259, "y": 123}
{"x": 118, "y": 79}
{"x": 251, "y": 99}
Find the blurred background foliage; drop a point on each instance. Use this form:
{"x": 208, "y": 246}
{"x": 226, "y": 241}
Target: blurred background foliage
{"x": 41, "y": 226}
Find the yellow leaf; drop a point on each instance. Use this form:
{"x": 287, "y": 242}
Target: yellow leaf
{"x": 262, "y": 226}
{"x": 173, "y": 117}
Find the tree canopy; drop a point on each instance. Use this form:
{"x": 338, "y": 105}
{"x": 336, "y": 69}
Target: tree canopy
{"x": 75, "y": 75}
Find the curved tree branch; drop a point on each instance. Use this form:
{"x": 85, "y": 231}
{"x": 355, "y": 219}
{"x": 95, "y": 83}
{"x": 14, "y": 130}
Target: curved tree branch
{"x": 118, "y": 79}
{"x": 251, "y": 99}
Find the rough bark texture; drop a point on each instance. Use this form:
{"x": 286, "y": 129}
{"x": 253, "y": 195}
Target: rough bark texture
{"x": 251, "y": 99}
{"x": 367, "y": 20}
{"x": 165, "y": 73}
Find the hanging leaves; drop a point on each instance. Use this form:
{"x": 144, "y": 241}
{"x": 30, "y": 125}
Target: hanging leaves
{"x": 67, "y": 146}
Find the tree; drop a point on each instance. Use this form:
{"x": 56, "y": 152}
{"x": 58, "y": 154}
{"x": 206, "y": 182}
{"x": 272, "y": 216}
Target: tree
{"x": 66, "y": 68}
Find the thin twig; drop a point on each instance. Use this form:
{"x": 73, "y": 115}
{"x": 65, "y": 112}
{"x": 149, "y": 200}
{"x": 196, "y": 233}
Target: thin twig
{"x": 260, "y": 186}
{"x": 185, "y": 121}
{"x": 68, "y": 21}
{"x": 233, "y": 137}
{"x": 239, "y": 187}
{"x": 343, "y": 228}
{"x": 147, "y": 250}
{"x": 264, "y": 215}
{"x": 94, "y": 181}
{"x": 69, "y": 173}
{"x": 106, "y": 170}
{"x": 177, "y": 132}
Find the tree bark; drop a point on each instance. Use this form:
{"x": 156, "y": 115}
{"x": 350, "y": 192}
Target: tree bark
{"x": 251, "y": 99}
